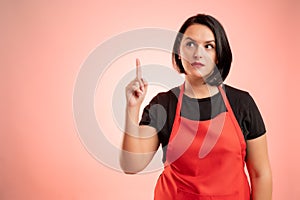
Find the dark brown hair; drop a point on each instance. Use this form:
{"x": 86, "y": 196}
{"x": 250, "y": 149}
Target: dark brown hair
{"x": 223, "y": 51}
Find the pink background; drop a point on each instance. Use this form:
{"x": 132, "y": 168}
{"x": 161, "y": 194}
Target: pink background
{"x": 43, "y": 45}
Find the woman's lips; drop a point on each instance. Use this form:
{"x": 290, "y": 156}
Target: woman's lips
{"x": 197, "y": 64}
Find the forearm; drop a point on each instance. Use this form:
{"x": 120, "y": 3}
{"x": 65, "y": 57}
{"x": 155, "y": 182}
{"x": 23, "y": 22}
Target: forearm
{"x": 140, "y": 142}
{"x": 261, "y": 187}
{"x": 139, "y": 145}
{"x": 131, "y": 139}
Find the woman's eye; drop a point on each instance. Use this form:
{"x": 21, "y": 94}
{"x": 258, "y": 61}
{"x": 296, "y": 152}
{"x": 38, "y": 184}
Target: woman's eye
{"x": 209, "y": 46}
{"x": 190, "y": 44}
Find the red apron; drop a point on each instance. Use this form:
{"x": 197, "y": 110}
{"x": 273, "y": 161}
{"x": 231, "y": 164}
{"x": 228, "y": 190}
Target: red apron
{"x": 205, "y": 159}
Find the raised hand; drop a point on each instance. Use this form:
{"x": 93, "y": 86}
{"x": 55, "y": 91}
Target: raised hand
{"x": 136, "y": 90}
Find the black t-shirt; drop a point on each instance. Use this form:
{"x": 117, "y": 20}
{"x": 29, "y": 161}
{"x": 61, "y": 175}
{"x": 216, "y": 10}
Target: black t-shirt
{"x": 160, "y": 112}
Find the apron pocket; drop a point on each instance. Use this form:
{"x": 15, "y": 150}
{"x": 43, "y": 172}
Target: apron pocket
{"x": 185, "y": 195}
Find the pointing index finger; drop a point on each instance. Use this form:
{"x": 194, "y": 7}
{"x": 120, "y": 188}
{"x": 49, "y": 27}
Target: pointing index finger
{"x": 138, "y": 69}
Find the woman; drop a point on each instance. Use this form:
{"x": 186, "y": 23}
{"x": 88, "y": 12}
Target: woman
{"x": 208, "y": 135}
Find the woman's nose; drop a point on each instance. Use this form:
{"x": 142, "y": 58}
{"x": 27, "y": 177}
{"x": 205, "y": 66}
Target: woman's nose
{"x": 199, "y": 52}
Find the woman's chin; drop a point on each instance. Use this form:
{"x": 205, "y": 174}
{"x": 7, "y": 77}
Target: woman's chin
{"x": 194, "y": 77}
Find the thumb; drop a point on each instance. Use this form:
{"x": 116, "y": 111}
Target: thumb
{"x": 145, "y": 84}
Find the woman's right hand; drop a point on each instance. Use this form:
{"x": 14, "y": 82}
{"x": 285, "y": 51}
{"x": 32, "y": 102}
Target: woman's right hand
{"x": 136, "y": 90}
{"x": 140, "y": 142}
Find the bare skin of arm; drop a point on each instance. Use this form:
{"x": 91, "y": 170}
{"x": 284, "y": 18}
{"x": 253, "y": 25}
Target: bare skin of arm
{"x": 140, "y": 143}
{"x": 259, "y": 169}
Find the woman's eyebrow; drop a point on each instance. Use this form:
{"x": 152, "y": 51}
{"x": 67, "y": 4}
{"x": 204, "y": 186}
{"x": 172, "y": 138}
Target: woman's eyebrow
{"x": 210, "y": 41}
{"x": 189, "y": 38}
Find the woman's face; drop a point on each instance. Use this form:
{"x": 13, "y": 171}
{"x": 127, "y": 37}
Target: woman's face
{"x": 198, "y": 51}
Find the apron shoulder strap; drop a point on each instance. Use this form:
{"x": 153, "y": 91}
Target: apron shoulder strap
{"x": 234, "y": 120}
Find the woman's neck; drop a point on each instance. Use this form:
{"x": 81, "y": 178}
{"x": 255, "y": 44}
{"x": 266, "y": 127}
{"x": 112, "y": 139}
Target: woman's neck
{"x": 199, "y": 89}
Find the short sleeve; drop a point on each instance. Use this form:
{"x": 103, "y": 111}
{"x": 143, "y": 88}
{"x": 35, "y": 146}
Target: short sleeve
{"x": 154, "y": 114}
{"x": 147, "y": 116}
{"x": 254, "y": 123}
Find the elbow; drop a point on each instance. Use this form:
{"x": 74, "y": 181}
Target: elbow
{"x": 129, "y": 172}
{"x": 129, "y": 168}
{"x": 262, "y": 173}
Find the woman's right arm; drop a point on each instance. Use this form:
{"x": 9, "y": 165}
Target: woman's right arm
{"x": 140, "y": 143}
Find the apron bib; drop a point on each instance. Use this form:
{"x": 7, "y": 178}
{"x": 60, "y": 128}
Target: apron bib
{"x": 204, "y": 159}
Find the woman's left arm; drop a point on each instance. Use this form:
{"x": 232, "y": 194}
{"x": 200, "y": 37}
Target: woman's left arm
{"x": 259, "y": 168}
